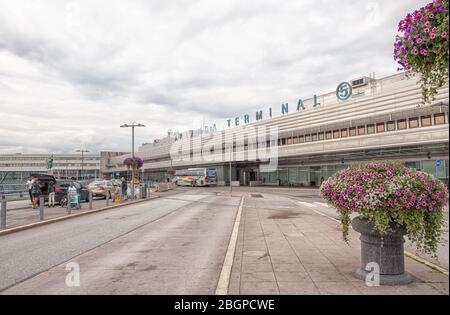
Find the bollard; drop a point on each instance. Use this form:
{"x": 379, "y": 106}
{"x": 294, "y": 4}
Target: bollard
{"x": 41, "y": 208}
{"x": 69, "y": 205}
{"x": 132, "y": 191}
{"x": 3, "y": 214}
{"x": 120, "y": 193}
{"x": 107, "y": 198}
{"x": 90, "y": 200}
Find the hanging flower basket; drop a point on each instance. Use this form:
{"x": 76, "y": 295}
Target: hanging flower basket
{"x": 422, "y": 46}
{"x": 133, "y": 163}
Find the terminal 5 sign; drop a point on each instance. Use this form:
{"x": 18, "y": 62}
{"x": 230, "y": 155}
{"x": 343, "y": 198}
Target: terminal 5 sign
{"x": 343, "y": 92}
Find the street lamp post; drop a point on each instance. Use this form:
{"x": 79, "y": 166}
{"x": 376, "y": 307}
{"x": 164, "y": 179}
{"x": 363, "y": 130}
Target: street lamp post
{"x": 82, "y": 161}
{"x": 132, "y": 125}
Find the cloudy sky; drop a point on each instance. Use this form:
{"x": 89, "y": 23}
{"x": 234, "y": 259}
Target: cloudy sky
{"x": 71, "y": 72}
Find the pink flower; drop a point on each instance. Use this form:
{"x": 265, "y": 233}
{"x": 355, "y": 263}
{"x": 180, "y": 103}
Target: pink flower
{"x": 444, "y": 34}
{"x": 432, "y": 35}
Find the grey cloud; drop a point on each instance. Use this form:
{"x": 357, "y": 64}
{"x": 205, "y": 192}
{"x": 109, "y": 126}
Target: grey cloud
{"x": 174, "y": 63}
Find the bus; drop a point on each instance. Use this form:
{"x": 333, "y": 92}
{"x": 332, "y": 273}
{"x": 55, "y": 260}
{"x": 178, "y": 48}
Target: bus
{"x": 196, "y": 177}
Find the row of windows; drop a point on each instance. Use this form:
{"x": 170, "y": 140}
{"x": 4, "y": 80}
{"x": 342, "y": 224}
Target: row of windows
{"x": 55, "y": 165}
{"x": 44, "y": 159}
{"x": 401, "y": 124}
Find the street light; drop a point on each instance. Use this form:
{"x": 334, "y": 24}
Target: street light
{"x": 132, "y": 125}
{"x": 82, "y": 161}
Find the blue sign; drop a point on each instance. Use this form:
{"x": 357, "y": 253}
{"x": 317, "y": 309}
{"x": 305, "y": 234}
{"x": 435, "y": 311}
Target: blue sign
{"x": 117, "y": 173}
{"x": 438, "y": 163}
{"x": 344, "y": 91}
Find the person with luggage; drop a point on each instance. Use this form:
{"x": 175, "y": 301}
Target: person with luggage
{"x": 36, "y": 192}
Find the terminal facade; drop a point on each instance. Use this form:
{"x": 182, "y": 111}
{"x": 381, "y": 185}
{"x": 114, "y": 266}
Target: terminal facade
{"x": 364, "y": 119}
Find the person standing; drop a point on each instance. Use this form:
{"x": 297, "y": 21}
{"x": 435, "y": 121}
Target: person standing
{"x": 29, "y": 186}
{"x": 124, "y": 188}
{"x": 35, "y": 193}
{"x": 51, "y": 194}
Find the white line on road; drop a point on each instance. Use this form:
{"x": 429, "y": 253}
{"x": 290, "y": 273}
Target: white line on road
{"x": 408, "y": 254}
{"x": 321, "y": 204}
{"x": 224, "y": 279}
{"x": 307, "y": 204}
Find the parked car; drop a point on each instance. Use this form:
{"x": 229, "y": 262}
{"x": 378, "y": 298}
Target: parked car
{"x": 100, "y": 187}
{"x": 61, "y": 187}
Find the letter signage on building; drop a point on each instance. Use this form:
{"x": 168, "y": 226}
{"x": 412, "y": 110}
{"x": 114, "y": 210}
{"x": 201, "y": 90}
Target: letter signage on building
{"x": 343, "y": 92}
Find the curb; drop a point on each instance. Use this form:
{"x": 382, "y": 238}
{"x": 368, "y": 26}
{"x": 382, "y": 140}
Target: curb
{"x": 225, "y": 274}
{"x": 407, "y": 253}
{"x": 66, "y": 217}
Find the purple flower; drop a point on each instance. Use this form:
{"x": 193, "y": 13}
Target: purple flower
{"x": 444, "y": 34}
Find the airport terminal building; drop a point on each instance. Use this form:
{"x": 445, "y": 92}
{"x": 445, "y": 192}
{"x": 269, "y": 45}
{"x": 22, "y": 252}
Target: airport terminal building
{"x": 364, "y": 119}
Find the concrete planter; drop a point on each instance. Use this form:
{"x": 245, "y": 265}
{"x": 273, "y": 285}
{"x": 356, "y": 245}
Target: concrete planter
{"x": 389, "y": 255}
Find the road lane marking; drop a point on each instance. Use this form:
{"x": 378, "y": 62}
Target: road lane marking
{"x": 225, "y": 274}
{"x": 321, "y": 204}
{"x": 307, "y": 204}
{"x": 407, "y": 253}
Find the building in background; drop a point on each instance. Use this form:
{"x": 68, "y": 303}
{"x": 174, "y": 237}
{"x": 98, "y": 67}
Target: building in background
{"x": 108, "y": 161}
{"x": 15, "y": 168}
{"x": 364, "y": 119}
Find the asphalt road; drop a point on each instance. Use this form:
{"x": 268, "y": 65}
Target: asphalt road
{"x": 175, "y": 244}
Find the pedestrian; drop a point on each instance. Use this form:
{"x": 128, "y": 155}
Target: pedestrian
{"x": 124, "y": 187}
{"x": 36, "y": 191}
{"x": 51, "y": 194}
{"x": 29, "y": 186}
{"x": 322, "y": 179}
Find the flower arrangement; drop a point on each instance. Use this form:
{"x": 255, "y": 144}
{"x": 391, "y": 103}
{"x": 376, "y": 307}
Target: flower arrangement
{"x": 387, "y": 192}
{"x": 134, "y": 163}
{"x": 422, "y": 46}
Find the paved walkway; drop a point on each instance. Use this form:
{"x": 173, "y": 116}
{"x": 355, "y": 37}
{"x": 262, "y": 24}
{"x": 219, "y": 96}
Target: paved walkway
{"x": 26, "y": 215}
{"x": 285, "y": 247}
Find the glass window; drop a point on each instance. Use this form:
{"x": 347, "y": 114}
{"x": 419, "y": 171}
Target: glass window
{"x": 361, "y": 130}
{"x": 380, "y": 127}
{"x": 283, "y": 141}
{"x": 401, "y": 124}
{"x": 289, "y": 141}
{"x": 307, "y": 138}
{"x": 295, "y": 140}
{"x": 352, "y": 131}
{"x": 301, "y": 139}
{"x": 439, "y": 119}
{"x": 390, "y": 125}
{"x": 321, "y": 136}
{"x": 344, "y": 133}
{"x": 414, "y": 122}
{"x": 370, "y": 129}
{"x": 314, "y": 137}
{"x": 328, "y": 135}
{"x": 336, "y": 134}
{"x": 426, "y": 121}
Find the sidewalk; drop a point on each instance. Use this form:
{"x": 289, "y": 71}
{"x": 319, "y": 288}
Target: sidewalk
{"x": 286, "y": 248}
{"x": 16, "y": 218}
